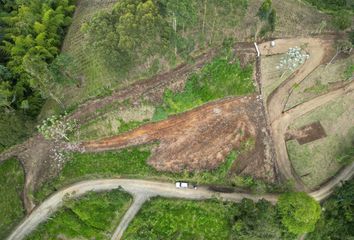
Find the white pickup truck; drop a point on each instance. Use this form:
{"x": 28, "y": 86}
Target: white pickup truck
{"x": 185, "y": 185}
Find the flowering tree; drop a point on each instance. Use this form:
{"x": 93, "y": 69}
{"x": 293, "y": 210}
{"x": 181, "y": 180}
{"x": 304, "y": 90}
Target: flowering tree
{"x": 56, "y": 128}
{"x": 294, "y": 58}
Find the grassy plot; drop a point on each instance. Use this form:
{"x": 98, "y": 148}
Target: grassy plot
{"x": 11, "y": 208}
{"x": 132, "y": 163}
{"x": 337, "y": 120}
{"x": 321, "y": 80}
{"x": 93, "y": 216}
{"x": 181, "y": 219}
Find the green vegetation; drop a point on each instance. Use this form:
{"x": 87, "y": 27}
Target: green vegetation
{"x": 181, "y": 219}
{"x": 221, "y": 78}
{"x": 267, "y": 14}
{"x": 211, "y": 219}
{"x": 14, "y": 128}
{"x": 93, "y": 216}
{"x": 317, "y": 88}
{"x": 299, "y": 212}
{"x": 258, "y": 221}
{"x": 11, "y": 187}
{"x": 33, "y": 31}
{"x": 331, "y": 5}
{"x": 337, "y": 220}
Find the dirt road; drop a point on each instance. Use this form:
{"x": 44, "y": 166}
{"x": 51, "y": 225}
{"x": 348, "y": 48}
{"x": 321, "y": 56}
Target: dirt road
{"x": 275, "y": 103}
{"x": 143, "y": 190}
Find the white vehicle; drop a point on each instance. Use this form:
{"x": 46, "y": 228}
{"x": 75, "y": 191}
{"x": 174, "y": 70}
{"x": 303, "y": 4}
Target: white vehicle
{"x": 185, "y": 185}
{"x": 181, "y": 185}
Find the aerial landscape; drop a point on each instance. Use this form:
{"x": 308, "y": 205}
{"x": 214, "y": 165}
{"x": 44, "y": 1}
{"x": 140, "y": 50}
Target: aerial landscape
{"x": 177, "y": 119}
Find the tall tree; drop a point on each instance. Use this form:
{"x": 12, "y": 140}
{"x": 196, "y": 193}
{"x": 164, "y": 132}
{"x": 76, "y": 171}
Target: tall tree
{"x": 299, "y": 212}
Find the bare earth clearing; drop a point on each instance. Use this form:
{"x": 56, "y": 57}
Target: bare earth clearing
{"x": 202, "y": 138}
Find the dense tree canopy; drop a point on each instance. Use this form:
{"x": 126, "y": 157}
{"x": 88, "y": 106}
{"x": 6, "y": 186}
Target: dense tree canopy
{"x": 337, "y": 221}
{"x": 299, "y": 212}
{"x": 31, "y": 30}
{"x": 132, "y": 30}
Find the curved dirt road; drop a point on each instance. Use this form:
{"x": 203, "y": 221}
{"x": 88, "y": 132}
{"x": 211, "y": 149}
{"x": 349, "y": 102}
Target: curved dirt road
{"x": 143, "y": 190}
{"x": 139, "y": 188}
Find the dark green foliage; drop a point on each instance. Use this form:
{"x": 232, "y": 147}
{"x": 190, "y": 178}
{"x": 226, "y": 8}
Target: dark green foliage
{"x": 299, "y": 212}
{"x": 221, "y": 78}
{"x": 130, "y": 32}
{"x": 181, "y": 219}
{"x": 267, "y": 14}
{"x": 14, "y": 128}
{"x": 32, "y": 29}
{"x": 332, "y": 5}
{"x": 265, "y": 9}
{"x": 258, "y": 221}
{"x": 93, "y": 216}
{"x": 11, "y": 187}
{"x": 342, "y": 19}
{"x": 337, "y": 221}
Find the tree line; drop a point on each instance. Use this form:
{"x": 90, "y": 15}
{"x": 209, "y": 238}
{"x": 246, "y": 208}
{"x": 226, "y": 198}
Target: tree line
{"x": 31, "y": 36}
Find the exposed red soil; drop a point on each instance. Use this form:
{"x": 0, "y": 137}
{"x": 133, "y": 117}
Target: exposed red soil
{"x": 201, "y": 138}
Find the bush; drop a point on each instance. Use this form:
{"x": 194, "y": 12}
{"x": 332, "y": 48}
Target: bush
{"x": 342, "y": 20}
{"x": 299, "y": 212}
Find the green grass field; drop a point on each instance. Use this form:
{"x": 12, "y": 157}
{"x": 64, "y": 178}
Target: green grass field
{"x": 181, "y": 219}
{"x": 93, "y": 216}
{"x": 11, "y": 207}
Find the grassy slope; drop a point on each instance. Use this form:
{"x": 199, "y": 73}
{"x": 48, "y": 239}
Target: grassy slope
{"x": 318, "y": 82}
{"x": 93, "y": 216}
{"x": 181, "y": 219}
{"x": 11, "y": 208}
{"x": 319, "y": 157}
{"x": 221, "y": 78}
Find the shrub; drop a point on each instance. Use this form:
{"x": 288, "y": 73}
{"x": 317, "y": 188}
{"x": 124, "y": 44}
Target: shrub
{"x": 299, "y": 212}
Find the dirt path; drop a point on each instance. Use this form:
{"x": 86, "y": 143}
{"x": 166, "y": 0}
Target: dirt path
{"x": 139, "y": 200}
{"x": 277, "y": 99}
